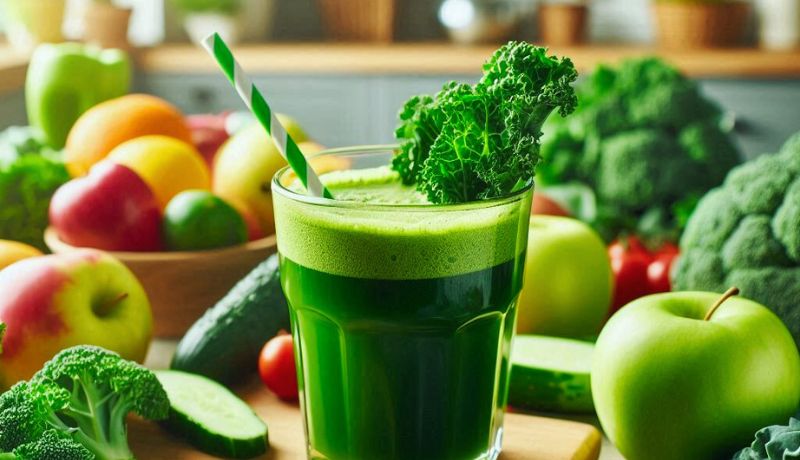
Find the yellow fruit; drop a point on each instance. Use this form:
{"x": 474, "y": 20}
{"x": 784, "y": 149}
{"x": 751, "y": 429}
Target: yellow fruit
{"x": 14, "y": 251}
{"x": 243, "y": 170}
{"x": 293, "y": 128}
{"x": 167, "y": 165}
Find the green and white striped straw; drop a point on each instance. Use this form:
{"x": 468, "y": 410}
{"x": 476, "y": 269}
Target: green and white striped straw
{"x": 258, "y": 106}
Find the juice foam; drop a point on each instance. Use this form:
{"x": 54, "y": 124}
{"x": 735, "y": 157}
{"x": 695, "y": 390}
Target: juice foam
{"x": 380, "y": 229}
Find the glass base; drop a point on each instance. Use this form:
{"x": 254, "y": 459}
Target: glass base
{"x": 492, "y": 454}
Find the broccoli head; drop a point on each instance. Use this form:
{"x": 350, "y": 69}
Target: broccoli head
{"x": 84, "y": 394}
{"x": 640, "y": 167}
{"x": 51, "y": 445}
{"x": 647, "y": 141}
{"x": 746, "y": 233}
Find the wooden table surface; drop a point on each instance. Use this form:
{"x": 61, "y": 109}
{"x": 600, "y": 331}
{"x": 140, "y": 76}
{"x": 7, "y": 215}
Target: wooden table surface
{"x": 527, "y": 437}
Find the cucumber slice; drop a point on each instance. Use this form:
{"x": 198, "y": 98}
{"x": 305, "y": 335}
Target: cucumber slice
{"x": 211, "y": 418}
{"x": 551, "y": 374}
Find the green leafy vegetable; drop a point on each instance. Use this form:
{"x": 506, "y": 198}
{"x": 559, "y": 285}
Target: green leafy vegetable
{"x": 481, "y": 141}
{"x": 647, "y": 141}
{"x": 77, "y": 405}
{"x": 30, "y": 172}
{"x": 18, "y": 141}
{"x": 746, "y": 234}
{"x": 776, "y": 442}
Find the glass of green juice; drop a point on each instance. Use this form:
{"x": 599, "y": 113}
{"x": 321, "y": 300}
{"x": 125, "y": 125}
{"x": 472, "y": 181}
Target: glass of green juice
{"x": 402, "y": 311}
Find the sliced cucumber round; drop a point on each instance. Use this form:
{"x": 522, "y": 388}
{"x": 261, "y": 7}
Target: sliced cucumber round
{"x": 211, "y": 418}
{"x": 551, "y": 374}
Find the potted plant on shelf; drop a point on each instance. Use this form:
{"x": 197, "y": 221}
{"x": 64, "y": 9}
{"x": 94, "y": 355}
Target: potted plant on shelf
{"x": 701, "y": 23}
{"x": 563, "y": 22}
{"x": 359, "y": 20}
{"x": 30, "y": 22}
{"x": 106, "y": 24}
{"x": 204, "y": 17}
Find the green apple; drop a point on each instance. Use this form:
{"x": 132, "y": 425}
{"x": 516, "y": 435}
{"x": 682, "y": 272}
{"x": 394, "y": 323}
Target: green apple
{"x": 54, "y": 302}
{"x": 568, "y": 281}
{"x": 682, "y": 376}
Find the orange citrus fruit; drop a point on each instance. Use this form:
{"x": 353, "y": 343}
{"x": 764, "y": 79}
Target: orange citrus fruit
{"x": 107, "y": 125}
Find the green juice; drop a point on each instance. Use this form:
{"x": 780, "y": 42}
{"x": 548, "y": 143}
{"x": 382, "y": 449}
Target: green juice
{"x": 403, "y": 314}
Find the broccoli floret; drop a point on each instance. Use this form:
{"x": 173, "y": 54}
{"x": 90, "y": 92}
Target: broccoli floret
{"x": 713, "y": 151}
{"x": 86, "y": 394}
{"x": 758, "y": 186}
{"x": 21, "y": 420}
{"x": 753, "y": 244}
{"x": 640, "y": 168}
{"x": 746, "y": 233}
{"x": 650, "y": 145}
{"x": 786, "y": 224}
{"x": 52, "y": 445}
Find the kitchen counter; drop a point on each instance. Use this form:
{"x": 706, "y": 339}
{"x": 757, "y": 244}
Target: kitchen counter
{"x": 161, "y": 353}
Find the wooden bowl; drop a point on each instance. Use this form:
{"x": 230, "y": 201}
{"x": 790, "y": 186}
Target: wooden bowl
{"x": 183, "y": 285}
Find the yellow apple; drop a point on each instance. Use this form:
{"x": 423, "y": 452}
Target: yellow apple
{"x": 293, "y": 128}
{"x": 245, "y": 164}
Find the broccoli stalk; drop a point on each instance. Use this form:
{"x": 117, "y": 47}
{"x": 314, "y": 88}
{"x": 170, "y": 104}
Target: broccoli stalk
{"x": 84, "y": 394}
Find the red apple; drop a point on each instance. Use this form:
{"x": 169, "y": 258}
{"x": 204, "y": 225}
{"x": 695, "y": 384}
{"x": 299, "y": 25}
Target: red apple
{"x": 208, "y": 133}
{"x": 544, "y": 205}
{"x": 54, "y": 302}
{"x": 112, "y": 208}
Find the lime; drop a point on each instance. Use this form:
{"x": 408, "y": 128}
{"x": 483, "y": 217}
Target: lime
{"x": 198, "y": 219}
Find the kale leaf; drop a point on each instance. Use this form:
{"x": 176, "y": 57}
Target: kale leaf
{"x": 472, "y": 142}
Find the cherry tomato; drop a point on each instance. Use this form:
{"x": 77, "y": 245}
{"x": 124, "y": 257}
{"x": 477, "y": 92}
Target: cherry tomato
{"x": 629, "y": 263}
{"x": 277, "y": 368}
{"x": 658, "y": 272}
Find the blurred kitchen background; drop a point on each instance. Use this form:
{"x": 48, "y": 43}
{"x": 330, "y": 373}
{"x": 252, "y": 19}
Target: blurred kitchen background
{"x": 343, "y": 67}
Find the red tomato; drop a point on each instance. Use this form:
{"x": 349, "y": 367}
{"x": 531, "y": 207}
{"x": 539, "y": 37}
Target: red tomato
{"x": 629, "y": 263}
{"x": 667, "y": 248}
{"x": 277, "y": 368}
{"x": 658, "y": 272}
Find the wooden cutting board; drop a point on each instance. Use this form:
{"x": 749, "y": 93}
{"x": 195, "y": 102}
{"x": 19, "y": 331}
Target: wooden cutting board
{"x": 526, "y": 438}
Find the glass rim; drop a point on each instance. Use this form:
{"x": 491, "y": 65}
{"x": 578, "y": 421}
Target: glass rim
{"x": 352, "y": 151}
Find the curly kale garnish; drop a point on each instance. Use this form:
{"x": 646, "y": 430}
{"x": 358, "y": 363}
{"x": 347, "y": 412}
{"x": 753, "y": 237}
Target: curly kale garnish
{"x": 481, "y": 141}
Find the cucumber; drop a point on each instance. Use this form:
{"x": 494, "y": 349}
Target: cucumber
{"x": 225, "y": 342}
{"x": 551, "y": 374}
{"x": 212, "y": 418}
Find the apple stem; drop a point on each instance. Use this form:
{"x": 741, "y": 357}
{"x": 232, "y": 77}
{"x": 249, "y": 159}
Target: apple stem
{"x": 727, "y": 295}
{"x": 105, "y": 309}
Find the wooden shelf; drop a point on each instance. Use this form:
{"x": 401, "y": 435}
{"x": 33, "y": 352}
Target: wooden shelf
{"x": 422, "y": 59}
{"x": 13, "y": 67}
{"x": 433, "y": 59}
